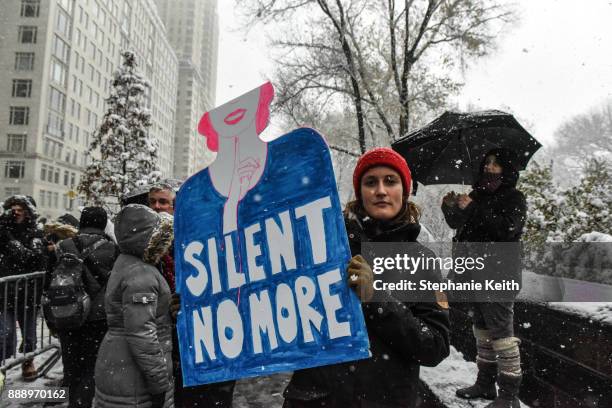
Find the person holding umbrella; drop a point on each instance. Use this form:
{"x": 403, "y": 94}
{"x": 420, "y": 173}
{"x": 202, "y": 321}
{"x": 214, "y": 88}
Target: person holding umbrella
{"x": 494, "y": 211}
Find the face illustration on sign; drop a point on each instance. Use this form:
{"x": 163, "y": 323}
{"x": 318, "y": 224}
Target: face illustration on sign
{"x": 232, "y": 130}
{"x": 236, "y": 116}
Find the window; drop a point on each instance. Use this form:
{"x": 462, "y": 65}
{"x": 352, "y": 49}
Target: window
{"x": 56, "y": 176}
{"x": 27, "y": 34}
{"x": 16, "y": 143}
{"x": 92, "y": 118}
{"x": 58, "y": 72}
{"x": 30, "y": 8}
{"x": 11, "y": 191}
{"x": 43, "y": 172}
{"x": 62, "y": 23}
{"x": 20, "y": 115}
{"x": 60, "y": 49}
{"x": 77, "y": 36}
{"x": 127, "y": 14}
{"x": 66, "y": 177}
{"x": 14, "y": 169}
{"x": 22, "y": 88}
{"x": 24, "y": 61}
{"x": 57, "y": 100}
{"x": 55, "y": 126}
{"x": 67, "y": 5}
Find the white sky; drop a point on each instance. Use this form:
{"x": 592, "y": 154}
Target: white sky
{"x": 556, "y": 63}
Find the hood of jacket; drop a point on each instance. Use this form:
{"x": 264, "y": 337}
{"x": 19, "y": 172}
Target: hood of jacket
{"x": 507, "y": 159}
{"x": 143, "y": 233}
{"x": 26, "y": 203}
{"x": 58, "y": 232}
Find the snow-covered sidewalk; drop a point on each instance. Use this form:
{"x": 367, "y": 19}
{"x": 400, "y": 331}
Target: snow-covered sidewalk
{"x": 448, "y": 376}
{"x": 13, "y": 380}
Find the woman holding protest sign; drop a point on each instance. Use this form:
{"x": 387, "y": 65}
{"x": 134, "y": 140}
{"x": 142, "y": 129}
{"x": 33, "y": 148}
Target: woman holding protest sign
{"x": 402, "y": 335}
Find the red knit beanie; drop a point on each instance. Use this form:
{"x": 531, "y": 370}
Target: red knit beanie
{"x": 382, "y": 156}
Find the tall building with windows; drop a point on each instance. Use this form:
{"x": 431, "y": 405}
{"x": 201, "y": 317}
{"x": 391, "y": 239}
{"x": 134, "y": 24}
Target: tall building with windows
{"x": 193, "y": 30}
{"x": 57, "y": 58}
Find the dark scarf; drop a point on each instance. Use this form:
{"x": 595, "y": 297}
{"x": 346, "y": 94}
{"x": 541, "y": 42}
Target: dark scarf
{"x": 374, "y": 228}
{"x": 489, "y": 182}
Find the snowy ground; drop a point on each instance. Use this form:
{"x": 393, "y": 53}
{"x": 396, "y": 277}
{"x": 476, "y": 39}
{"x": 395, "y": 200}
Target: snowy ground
{"x": 266, "y": 392}
{"x": 448, "y": 376}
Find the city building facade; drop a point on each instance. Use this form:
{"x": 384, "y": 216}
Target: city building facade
{"x": 193, "y": 30}
{"x": 57, "y": 60}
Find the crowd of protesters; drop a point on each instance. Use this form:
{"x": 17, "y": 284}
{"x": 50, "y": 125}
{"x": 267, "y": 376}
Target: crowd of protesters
{"x": 126, "y": 352}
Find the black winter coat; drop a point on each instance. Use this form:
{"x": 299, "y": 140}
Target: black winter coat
{"x": 403, "y": 336}
{"x": 98, "y": 264}
{"x": 22, "y": 250}
{"x": 497, "y": 217}
{"x": 491, "y": 217}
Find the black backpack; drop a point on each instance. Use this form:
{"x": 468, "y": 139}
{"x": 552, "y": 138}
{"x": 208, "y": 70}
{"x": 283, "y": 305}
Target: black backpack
{"x": 66, "y": 303}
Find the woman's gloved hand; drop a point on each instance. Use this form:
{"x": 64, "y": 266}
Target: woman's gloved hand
{"x": 361, "y": 278}
{"x": 158, "y": 400}
{"x": 175, "y": 305}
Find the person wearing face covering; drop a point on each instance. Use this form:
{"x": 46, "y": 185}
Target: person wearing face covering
{"x": 494, "y": 211}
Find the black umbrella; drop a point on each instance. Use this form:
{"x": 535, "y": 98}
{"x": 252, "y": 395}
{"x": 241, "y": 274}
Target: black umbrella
{"x": 449, "y": 150}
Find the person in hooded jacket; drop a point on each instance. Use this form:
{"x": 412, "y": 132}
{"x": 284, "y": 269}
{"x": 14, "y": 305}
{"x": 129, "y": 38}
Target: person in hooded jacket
{"x": 134, "y": 364}
{"x": 80, "y": 345}
{"x": 161, "y": 199}
{"x": 494, "y": 211}
{"x": 22, "y": 251}
{"x": 403, "y": 336}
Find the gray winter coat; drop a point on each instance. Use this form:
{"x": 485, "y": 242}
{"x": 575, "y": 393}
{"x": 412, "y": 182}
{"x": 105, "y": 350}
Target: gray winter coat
{"x": 134, "y": 361}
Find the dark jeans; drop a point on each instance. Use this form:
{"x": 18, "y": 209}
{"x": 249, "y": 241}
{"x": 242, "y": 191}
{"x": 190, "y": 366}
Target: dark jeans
{"x": 26, "y": 317}
{"x": 79, "y": 351}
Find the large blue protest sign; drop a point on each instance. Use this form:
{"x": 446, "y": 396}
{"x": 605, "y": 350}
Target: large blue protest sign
{"x": 261, "y": 258}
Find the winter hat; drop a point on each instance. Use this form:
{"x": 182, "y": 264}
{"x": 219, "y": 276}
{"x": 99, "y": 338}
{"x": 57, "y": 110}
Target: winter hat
{"x": 23, "y": 201}
{"x": 93, "y": 217}
{"x": 382, "y": 156}
{"x": 69, "y": 219}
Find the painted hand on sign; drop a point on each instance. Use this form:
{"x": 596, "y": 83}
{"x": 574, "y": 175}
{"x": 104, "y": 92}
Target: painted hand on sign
{"x": 261, "y": 253}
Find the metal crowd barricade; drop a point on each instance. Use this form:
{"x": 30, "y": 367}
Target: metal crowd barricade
{"x": 23, "y": 286}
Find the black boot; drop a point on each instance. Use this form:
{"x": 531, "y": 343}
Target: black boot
{"x": 485, "y": 382}
{"x": 508, "y": 392}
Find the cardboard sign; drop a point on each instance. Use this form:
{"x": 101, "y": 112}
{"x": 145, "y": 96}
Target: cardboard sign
{"x": 261, "y": 253}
